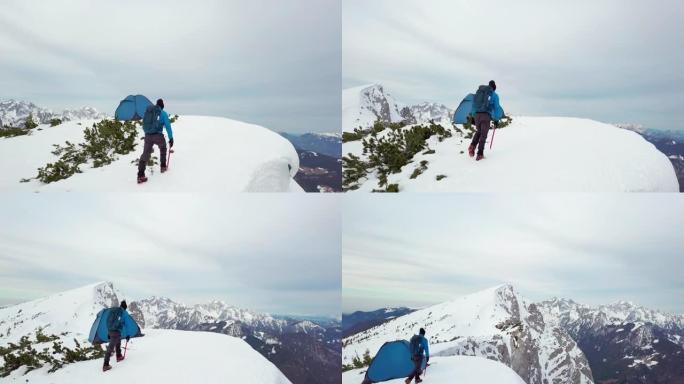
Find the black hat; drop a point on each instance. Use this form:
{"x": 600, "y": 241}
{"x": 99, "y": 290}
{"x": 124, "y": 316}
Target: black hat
{"x": 160, "y": 103}
{"x": 123, "y": 304}
{"x": 422, "y": 331}
{"x": 492, "y": 84}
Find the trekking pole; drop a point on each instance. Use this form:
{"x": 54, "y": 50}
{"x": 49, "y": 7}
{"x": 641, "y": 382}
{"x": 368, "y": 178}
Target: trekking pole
{"x": 168, "y": 158}
{"x": 125, "y": 349}
{"x": 492, "y": 142}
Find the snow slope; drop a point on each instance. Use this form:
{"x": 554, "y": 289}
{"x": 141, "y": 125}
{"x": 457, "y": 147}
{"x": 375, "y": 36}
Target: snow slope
{"x": 166, "y": 356}
{"x": 70, "y": 311}
{"x": 362, "y": 106}
{"x": 212, "y": 154}
{"x": 540, "y": 154}
{"x": 496, "y": 324}
{"x": 454, "y": 369}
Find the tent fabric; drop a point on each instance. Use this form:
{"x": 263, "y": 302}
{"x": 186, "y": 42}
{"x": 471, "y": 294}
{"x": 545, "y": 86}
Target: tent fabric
{"x": 99, "y": 333}
{"x": 132, "y": 107}
{"x": 393, "y": 361}
{"x": 466, "y": 108}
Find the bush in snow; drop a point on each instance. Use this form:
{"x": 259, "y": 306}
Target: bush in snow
{"x": 55, "y": 122}
{"x": 419, "y": 169}
{"x": 37, "y": 353}
{"x": 30, "y": 123}
{"x": 104, "y": 142}
{"x": 13, "y": 131}
{"x": 358, "y": 362}
{"x": 354, "y": 169}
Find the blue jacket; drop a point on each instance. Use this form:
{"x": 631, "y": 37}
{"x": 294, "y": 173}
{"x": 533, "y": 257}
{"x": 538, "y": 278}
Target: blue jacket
{"x": 424, "y": 345}
{"x": 164, "y": 117}
{"x": 494, "y": 110}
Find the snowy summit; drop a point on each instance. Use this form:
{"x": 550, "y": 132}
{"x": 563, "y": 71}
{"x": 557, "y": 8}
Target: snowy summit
{"x": 211, "y": 154}
{"x": 532, "y": 154}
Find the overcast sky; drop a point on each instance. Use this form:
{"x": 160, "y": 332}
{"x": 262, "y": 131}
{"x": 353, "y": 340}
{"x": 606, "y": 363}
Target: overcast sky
{"x": 270, "y": 62}
{"x": 613, "y": 60}
{"x": 267, "y": 252}
{"x": 416, "y": 249}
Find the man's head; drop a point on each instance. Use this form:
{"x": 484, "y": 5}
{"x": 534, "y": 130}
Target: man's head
{"x": 160, "y": 103}
{"x": 492, "y": 84}
{"x": 123, "y": 304}
{"x": 422, "y": 331}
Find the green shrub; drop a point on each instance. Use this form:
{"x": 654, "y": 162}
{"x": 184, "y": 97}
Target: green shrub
{"x": 55, "y": 122}
{"x": 30, "y": 123}
{"x": 13, "y": 132}
{"x": 419, "y": 169}
{"x": 440, "y": 177}
{"x": 354, "y": 169}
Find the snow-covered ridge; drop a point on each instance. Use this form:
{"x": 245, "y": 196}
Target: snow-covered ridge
{"x": 14, "y": 113}
{"x": 497, "y": 324}
{"x": 532, "y": 154}
{"x": 211, "y": 154}
{"x": 454, "y": 369}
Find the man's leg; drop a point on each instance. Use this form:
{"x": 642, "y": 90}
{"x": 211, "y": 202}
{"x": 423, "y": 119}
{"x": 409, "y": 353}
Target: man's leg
{"x": 147, "y": 152}
{"x": 114, "y": 343}
{"x": 483, "y": 122}
{"x": 118, "y": 348}
{"x": 160, "y": 140}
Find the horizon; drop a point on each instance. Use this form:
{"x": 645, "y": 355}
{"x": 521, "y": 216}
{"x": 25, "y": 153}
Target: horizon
{"x": 591, "y": 248}
{"x": 188, "y": 249}
{"x": 270, "y": 63}
{"x": 546, "y": 58}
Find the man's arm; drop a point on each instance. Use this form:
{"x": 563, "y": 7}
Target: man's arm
{"x": 426, "y": 347}
{"x": 167, "y": 124}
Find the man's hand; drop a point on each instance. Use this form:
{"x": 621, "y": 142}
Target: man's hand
{"x": 496, "y": 124}
{"x": 427, "y": 359}
{"x": 171, "y": 143}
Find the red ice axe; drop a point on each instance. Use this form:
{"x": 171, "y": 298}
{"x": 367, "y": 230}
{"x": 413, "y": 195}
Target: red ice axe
{"x": 125, "y": 349}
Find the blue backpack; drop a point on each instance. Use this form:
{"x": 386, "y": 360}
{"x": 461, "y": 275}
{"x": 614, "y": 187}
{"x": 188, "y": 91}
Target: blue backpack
{"x": 416, "y": 346}
{"x": 115, "y": 320}
{"x": 151, "y": 122}
{"x": 482, "y": 98}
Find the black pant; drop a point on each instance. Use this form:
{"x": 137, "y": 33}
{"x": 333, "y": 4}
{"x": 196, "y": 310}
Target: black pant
{"x": 417, "y": 370}
{"x": 482, "y": 122}
{"x": 114, "y": 343}
{"x": 157, "y": 139}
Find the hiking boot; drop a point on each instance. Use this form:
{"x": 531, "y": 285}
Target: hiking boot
{"x": 106, "y": 368}
{"x": 407, "y": 381}
{"x": 164, "y": 168}
{"x": 471, "y": 151}
{"x": 142, "y": 179}
{"x": 119, "y": 358}
{"x": 419, "y": 380}
{"x": 479, "y": 157}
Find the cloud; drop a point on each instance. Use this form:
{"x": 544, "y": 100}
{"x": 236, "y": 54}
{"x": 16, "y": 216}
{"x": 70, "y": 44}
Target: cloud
{"x": 268, "y": 62}
{"x": 611, "y": 60}
{"x": 592, "y": 248}
{"x": 266, "y": 252}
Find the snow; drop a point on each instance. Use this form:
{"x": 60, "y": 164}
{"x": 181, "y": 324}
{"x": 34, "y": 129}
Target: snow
{"x": 168, "y": 356}
{"x": 540, "y": 154}
{"x": 360, "y": 103}
{"x": 453, "y": 369}
{"x": 212, "y": 154}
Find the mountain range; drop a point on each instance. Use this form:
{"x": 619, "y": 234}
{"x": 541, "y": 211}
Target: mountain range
{"x": 553, "y": 341}
{"x": 304, "y": 351}
{"x": 320, "y": 165}
{"x": 14, "y": 113}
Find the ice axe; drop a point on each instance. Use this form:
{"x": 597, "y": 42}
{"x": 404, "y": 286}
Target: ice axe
{"x": 125, "y": 348}
{"x": 492, "y": 142}
{"x": 168, "y": 158}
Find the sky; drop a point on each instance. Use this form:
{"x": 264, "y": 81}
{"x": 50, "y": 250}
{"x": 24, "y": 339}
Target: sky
{"x": 416, "y": 250}
{"x": 613, "y": 61}
{"x": 266, "y": 252}
{"x": 269, "y": 62}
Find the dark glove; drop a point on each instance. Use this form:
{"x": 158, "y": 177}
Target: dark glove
{"x": 496, "y": 124}
{"x": 128, "y": 338}
{"x": 171, "y": 143}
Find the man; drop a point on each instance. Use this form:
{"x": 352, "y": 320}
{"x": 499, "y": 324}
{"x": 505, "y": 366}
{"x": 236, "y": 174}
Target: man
{"x": 485, "y": 108}
{"x": 117, "y": 320}
{"x": 154, "y": 122}
{"x": 419, "y": 346}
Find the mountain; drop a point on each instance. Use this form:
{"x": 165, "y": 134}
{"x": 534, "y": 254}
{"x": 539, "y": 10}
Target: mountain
{"x": 14, "y": 113}
{"x": 207, "y": 357}
{"x": 530, "y": 154}
{"x": 318, "y": 172}
{"x": 363, "y": 106}
{"x": 624, "y": 343}
{"x": 329, "y": 144}
{"x": 669, "y": 142}
{"x": 211, "y": 154}
{"x": 454, "y": 369}
{"x": 362, "y": 320}
{"x": 497, "y": 324}
{"x": 303, "y": 350}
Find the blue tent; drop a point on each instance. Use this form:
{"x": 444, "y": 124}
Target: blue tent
{"x": 393, "y": 361}
{"x": 465, "y": 109}
{"x": 99, "y": 333}
{"x": 132, "y": 107}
